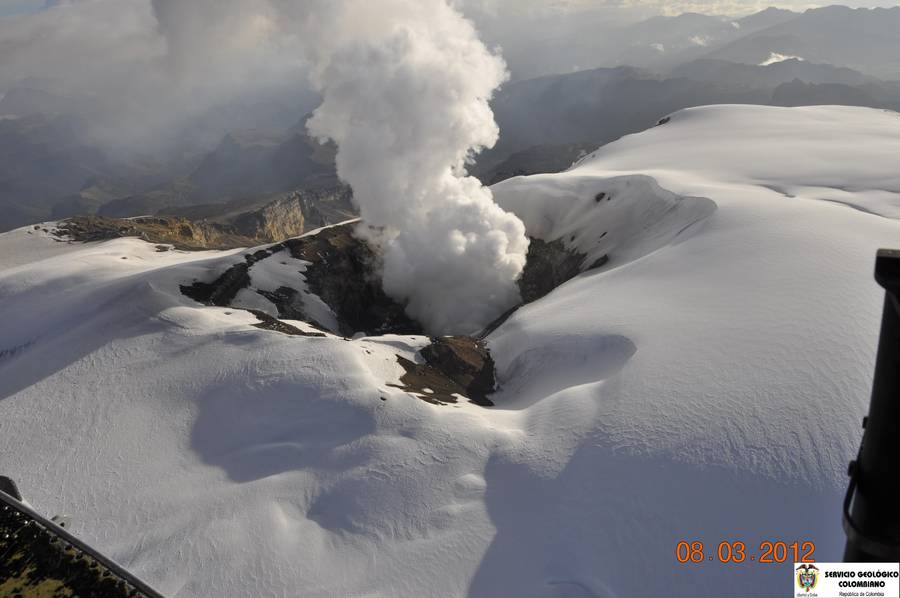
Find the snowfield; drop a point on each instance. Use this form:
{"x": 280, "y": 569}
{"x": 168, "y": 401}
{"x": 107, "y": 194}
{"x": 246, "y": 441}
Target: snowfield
{"x": 706, "y": 384}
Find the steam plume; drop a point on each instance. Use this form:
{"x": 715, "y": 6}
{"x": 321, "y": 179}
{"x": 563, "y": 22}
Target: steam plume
{"x": 405, "y": 96}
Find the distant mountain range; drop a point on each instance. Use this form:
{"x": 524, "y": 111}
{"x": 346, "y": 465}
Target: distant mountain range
{"x": 245, "y": 166}
{"x": 866, "y": 40}
{"x": 52, "y": 166}
{"x": 662, "y": 41}
{"x": 590, "y": 108}
{"x": 45, "y": 158}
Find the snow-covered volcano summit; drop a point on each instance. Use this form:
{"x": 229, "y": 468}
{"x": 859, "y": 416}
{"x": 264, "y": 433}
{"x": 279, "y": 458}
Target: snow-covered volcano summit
{"x": 705, "y": 383}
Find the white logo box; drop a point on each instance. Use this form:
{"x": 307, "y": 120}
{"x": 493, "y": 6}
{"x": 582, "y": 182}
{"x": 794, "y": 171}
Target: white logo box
{"x": 846, "y": 580}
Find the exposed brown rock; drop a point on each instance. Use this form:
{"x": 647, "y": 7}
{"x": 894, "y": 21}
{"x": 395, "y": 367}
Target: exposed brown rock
{"x": 454, "y": 367}
{"x": 171, "y": 230}
{"x": 464, "y": 360}
{"x": 275, "y": 219}
{"x": 223, "y": 226}
{"x": 278, "y": 220}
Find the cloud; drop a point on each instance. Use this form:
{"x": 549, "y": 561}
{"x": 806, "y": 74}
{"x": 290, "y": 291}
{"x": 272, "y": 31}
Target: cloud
{"x": 141, "y": 71}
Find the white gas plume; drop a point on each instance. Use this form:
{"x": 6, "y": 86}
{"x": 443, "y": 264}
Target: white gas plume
{"x": 405, "y": 87}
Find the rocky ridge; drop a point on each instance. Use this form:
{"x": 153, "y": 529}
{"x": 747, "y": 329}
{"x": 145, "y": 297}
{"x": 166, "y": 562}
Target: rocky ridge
{"x": 221, "y": 227}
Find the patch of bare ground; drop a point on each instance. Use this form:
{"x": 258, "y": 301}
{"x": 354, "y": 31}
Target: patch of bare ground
{"x": 456, "y": 367}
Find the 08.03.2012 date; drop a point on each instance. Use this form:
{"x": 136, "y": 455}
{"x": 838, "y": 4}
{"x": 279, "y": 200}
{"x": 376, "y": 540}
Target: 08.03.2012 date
{"x": 696, "y": 552}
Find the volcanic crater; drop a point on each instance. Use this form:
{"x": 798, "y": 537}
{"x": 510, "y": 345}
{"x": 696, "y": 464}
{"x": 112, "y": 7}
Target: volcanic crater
{"x": 342, "y": 271}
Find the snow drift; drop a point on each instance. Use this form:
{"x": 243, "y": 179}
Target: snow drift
{"x": 620, "y": 218}
{"x": 706, "y": 384}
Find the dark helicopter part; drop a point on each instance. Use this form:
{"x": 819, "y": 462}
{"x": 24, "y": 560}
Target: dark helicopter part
{"x": 38, "y": 558}
{"x": 872, "y": 504}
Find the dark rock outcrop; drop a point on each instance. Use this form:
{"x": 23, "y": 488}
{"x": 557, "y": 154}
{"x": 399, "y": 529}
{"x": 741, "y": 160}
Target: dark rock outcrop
{"x": 455, "y": 367}
{"x": 466, "y": 361}
{"x": 289, "y": 304}
{"x": 222, "y": 291}
{"x": 344, "y": 272}
{"x": 548, "y": 265}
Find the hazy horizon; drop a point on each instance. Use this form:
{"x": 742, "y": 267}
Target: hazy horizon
{"x": 637, "y": 8}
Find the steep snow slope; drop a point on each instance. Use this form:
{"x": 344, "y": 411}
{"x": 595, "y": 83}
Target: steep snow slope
{"x": 742, "y": 354}
{"x": 706, "y": 384}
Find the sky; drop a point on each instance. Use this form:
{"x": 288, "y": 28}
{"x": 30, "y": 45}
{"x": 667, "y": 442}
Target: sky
{"x": 730, "y": 7}
{"x": 14, "y": 7}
